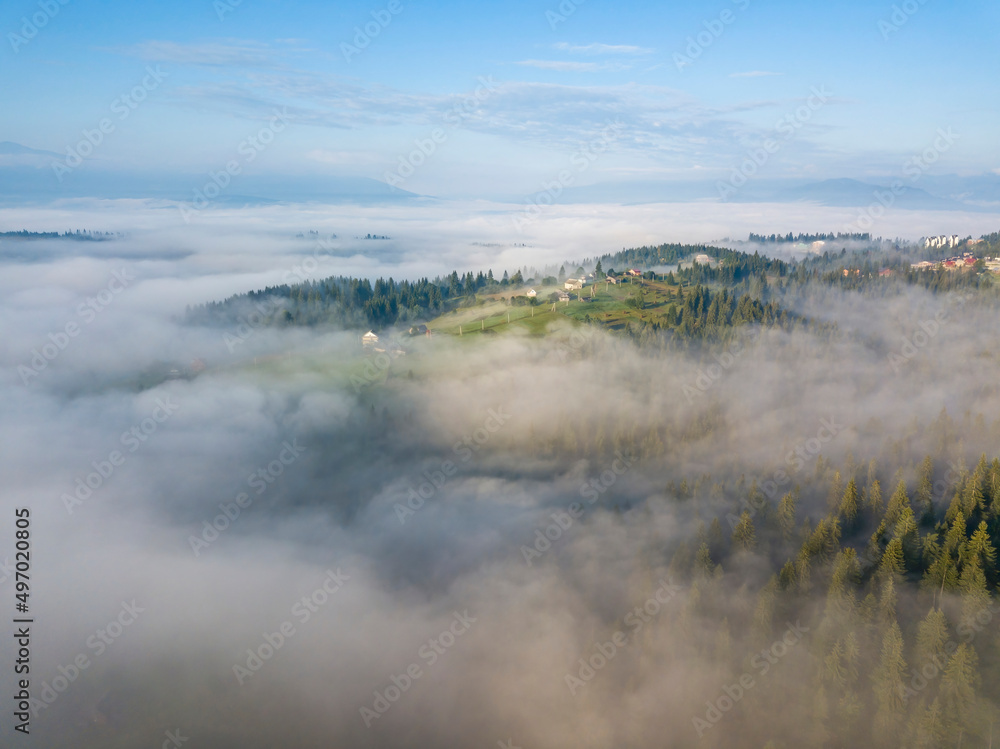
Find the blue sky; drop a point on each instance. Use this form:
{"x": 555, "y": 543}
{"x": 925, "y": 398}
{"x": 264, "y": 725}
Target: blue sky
{"x": 556, "y": 86}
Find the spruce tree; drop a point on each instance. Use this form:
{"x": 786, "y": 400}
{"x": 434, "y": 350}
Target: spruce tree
{"x": 786, "y": 516}
{"x": 836, "y": 491}
{"x": 897, "y": 503}
{"x": 975, "y": 593}
{"x": 873, "y": 499}
{"x": 892, "y": 565}
{"x": 744, "y": 535}
{"x": 932, "y": 636}
{"x": 980, "y": 548}
{"x": 703, "y": 564}
{"x": 972, "y": 495}
{"x": 959, "y": 687}
{"x": 850, "y": 505}
{"x": 924, "y": 497}
{"x": 930, "y": 729}
{"x": 888, "y": 685}
{"x": 887, "y": 601}
{"x": 764, "y": 612}
{"x": 906, "y": 532}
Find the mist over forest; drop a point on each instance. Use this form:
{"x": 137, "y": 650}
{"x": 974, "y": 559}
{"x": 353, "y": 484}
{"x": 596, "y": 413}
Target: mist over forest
{"x": 380, "y": 375}
{"x": 755, "y": 504}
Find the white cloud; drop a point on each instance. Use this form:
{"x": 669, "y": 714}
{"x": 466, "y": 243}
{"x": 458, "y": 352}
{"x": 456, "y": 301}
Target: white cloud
{"x": 228, "y": 52}
{"x": 754, "y": 74}
{"x": 341, "y": 158}
{"x": 573, "y": 67}
{"x": 602, "y": 49}
{"x": 662, "y": 124}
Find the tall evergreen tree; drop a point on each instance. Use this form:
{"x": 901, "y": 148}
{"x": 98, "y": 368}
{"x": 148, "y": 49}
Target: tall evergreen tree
{"x": 850, "y": 505}
{"x": 924, "y": 497}
{"x": 786, "y": 516}
{"x": 932, "y": 636}
{"x": 892, "y": 565}
{"x": 888, "y": 684}
{"x": 980, "y": 548}
{"x": 836, "y": 491}
{"x": 873, "y": 499}
{"x": 959, "y": 685}
{"x": 897, "y": 502}
{"x": 930, "y": 730}
{"x": 744, "y": 535}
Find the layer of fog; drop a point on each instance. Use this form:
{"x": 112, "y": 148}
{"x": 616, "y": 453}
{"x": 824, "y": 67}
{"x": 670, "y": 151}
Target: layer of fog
{"x": 336, "y": 507}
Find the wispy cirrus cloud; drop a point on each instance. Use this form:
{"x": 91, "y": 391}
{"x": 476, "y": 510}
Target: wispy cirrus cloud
{"x": 574, "y": 67}
{"x": 602, "y": 49}
{"x": 754, "y": 74}
{"x": 345, "y": 158}
{"x": 212, "y": 54}
{"x": 665, "y": 126}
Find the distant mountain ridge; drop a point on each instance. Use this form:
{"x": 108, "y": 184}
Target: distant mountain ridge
{"x": 853, "y": 193}
{"x": 26, "y": 176}
{"x": 9, "y": 148}
{"x": 29, "y": 184}
{"x": 959, "y": 193}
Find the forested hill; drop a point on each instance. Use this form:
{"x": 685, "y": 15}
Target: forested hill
{"x": 827, "y": 237}
{"x": 337, "y": 300}
{"x": 732, "y": 288}
{"x": 734, "y": 266}
{"x": 358, "y": 302}
{"x": 84, "y": 235}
